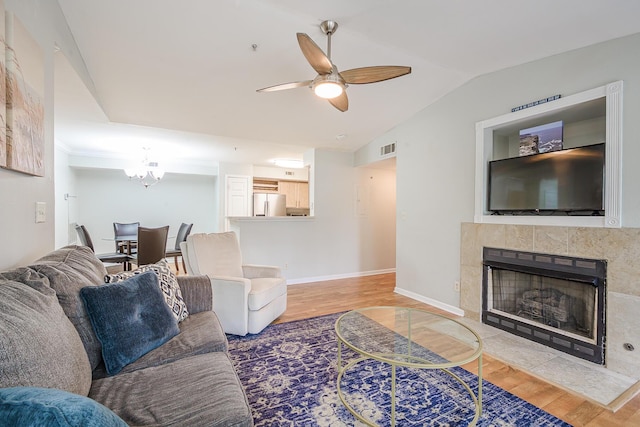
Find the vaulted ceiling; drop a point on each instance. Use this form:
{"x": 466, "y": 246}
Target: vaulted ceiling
{"x": 181, "y": 77}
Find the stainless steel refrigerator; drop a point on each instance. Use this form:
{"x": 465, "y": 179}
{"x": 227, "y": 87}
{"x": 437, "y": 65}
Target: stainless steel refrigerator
{"x": 269, "y": 204}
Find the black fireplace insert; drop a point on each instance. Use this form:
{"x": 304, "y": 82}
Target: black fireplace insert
{"x": 556, "y": 300}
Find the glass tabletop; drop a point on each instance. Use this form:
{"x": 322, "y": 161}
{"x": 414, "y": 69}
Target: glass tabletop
{"x": 408, "y": 337}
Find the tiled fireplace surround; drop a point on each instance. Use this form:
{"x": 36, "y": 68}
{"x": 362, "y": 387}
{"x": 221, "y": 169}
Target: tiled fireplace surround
{"x": 619, "y": 246}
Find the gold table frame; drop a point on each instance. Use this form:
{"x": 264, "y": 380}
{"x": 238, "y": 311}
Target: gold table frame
{"x": 407, "y": 360}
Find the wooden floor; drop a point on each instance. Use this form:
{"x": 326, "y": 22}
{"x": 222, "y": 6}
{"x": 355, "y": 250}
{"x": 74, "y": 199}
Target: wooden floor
{"x": 315, "y": 299}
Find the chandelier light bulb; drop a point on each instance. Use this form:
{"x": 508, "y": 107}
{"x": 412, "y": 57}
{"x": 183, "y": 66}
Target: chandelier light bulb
{"x": 148, "y": 173}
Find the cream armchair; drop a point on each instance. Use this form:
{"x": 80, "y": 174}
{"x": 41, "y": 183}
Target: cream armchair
{"x": 246, "y": 298}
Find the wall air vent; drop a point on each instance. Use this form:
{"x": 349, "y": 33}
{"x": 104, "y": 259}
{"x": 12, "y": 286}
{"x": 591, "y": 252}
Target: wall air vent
{"x": 388, "y": 149}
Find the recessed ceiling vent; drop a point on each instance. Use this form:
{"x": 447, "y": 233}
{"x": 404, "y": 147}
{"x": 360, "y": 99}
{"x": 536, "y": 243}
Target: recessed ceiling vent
{"x": 388, "y": 149}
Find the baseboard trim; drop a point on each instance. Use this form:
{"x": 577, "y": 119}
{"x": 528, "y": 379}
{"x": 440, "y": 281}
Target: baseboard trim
{"x": 438, "y": 304}
{"x": 339, "y": 276}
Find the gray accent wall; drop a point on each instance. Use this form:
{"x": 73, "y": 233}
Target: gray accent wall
{"x": 436, "y": 155}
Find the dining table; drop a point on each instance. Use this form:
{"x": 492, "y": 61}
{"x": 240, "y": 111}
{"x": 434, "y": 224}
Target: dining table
{"x": 129, "y": 240}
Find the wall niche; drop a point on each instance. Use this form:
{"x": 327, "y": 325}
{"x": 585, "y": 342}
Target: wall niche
{"x": 590, "y": 117}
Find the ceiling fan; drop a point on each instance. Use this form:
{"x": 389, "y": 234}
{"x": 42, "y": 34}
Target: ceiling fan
{"x": 330, "y": 83}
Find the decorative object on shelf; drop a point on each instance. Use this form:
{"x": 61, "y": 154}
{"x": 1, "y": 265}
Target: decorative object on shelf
{"x": 24, "y": 100}
{"x": 534, "y": 103}
{"x": 541, "y": 139}
{"x": 331, "y": 84}
{"x": 148, "y": 172}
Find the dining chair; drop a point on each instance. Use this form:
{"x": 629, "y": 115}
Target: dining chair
{"x": 183, "y": 232}
{"x": 152, "y": 245}
{"x": 121, "y": 229}
{"x": 107, "y": 258}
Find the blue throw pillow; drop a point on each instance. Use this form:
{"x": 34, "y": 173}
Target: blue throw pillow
{"x": 130, "y": 318}
{"x": 48, "y": 407}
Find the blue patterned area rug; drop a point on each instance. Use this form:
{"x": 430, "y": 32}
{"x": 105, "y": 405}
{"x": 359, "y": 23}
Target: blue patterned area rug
{"x": 289, "y": 373}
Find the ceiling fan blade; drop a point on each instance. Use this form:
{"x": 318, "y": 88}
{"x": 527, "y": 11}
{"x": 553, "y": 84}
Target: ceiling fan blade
{"x": 341, "y": 102}
{"x": 357, "y": 76}
{"x": 316, "y": 57}
{"x": 285, "y": 86}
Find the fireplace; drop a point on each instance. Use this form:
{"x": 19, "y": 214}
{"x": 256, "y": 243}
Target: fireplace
{"x": 558, "y": 301}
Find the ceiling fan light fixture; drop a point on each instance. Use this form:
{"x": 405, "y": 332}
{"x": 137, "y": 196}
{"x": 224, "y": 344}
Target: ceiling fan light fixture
{"x": 330, "y": 84}
{"x": 328, "y": 89}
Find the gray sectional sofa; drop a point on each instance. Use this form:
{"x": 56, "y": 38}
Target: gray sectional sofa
{"x": 48, "y": 342}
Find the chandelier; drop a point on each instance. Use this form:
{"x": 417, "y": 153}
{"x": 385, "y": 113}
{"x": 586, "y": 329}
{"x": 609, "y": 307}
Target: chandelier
{"x": 148, "y": 173}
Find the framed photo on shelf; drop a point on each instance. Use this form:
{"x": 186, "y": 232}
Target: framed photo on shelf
{"x": 541, "y": 139}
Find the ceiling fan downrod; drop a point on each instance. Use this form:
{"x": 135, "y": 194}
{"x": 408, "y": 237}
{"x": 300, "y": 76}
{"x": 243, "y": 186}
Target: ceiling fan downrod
{"x": 329, "y": 27}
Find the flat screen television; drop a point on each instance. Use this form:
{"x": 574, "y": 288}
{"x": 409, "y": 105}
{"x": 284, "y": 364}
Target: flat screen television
{"x": 569, "y": 180}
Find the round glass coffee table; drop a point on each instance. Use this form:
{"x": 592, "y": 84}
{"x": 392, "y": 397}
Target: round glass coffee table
{"x": 407, "y": 337}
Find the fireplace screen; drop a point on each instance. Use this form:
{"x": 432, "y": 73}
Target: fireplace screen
{"x": 556, "y": 300}
{"x": 545, "y": 301}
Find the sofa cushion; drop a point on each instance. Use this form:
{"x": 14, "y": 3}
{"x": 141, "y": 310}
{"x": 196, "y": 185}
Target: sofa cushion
{"x": 29, "y": 277}
{"x": 265, "y": 290}
{"x": 38, "y": 344}
{"x": 69, "y": 269}
{"x": 34, "y": 406}
{"x": 199, "y": 333}
{"x": 193, "y": 391}
{"x": 168, "y": 284}
{"x": 130, "y": 318}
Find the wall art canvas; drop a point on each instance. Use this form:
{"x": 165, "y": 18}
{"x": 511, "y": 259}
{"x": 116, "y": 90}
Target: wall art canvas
{"x": 25, "y": 95}
{"x": 3, "y": 91}
{"x": 541, "y": 139}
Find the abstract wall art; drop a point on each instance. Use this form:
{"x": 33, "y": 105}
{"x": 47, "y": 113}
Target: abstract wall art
{"x": 3, "y": 91}
{"x": 24, "y": 99}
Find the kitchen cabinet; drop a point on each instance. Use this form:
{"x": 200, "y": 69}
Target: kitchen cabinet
{"x": 297, "y": 193}
{"x": 263, "y": 185}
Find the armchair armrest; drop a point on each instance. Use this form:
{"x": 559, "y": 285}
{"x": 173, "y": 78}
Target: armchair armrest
{"x": 197, "y": 293}
{"x": 191, "y": 270}
{"x": 254, "y": 271}
{"x": 230, "y": 303}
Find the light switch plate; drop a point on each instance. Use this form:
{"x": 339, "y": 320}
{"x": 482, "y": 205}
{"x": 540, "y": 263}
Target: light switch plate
{"x": 41, "y": 212}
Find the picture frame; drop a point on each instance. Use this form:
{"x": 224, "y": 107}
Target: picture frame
{"x": 541, "y": 139}
{"x": 24, "y": 91}
{"x": 3, "y": 92}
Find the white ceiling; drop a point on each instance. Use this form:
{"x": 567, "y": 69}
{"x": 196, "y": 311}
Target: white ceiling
{"x": 181, "y": 77}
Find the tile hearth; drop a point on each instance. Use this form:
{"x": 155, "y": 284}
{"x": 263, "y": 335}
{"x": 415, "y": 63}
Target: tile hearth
{"x": 620, "y": 247}
{"x": 598, "y": 384}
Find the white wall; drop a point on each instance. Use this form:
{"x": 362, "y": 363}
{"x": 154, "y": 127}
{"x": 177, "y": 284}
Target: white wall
{"x": 105, "y": 196}
{"x": 341, "y": 239}
{"x": 66, "y": 211}
{"x": 436, "y": 155}
{"x": 23, "y": 239}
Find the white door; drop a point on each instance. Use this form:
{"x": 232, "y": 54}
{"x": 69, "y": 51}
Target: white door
{"x": 238, "y": 195}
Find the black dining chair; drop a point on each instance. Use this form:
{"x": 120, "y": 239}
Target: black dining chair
{"x": 107, "y": 258}
{"x": 183, "y": 232}
{"x": 152, "y": 245}
{"x": 121, "y": 229}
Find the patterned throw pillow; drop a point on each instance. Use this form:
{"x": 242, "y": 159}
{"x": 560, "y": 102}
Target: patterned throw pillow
{"x": 168, "y": 284}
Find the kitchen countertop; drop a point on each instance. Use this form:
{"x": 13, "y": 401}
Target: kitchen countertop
{"x": 270, "y": 218}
